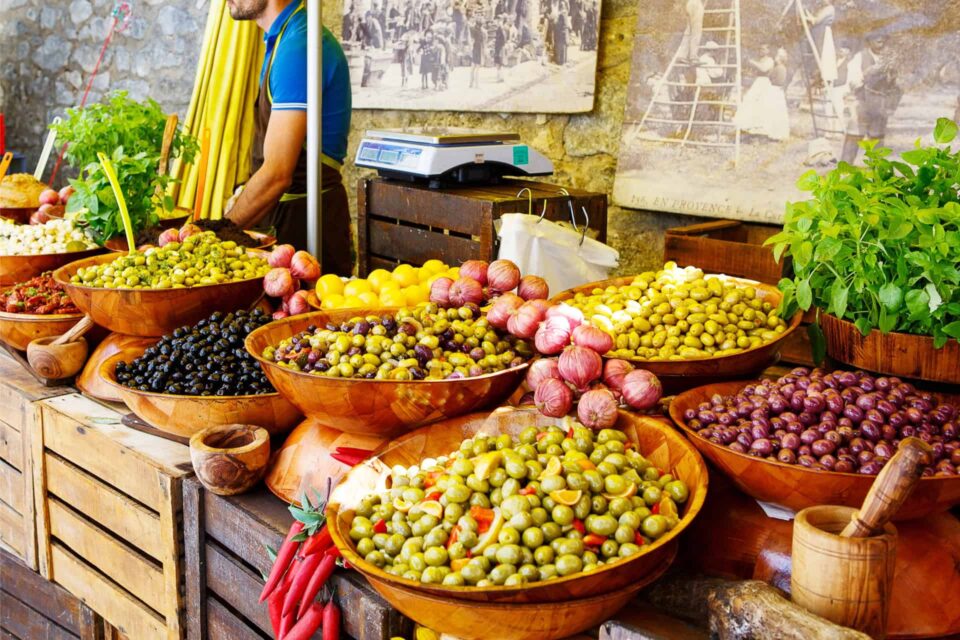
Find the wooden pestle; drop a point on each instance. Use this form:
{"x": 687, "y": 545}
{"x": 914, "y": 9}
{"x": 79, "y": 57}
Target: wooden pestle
{"x": 891, "y": 488}
{"x": 75, "y": 332}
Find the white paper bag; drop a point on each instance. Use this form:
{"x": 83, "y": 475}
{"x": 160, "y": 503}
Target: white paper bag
{"x": 565, "y": 258}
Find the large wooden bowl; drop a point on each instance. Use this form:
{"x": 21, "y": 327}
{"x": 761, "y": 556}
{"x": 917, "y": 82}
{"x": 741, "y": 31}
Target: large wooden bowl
{"x": 186, "y": 415}
{"x": 471, "y": 620}
{"x": 895, "y": 354}
{"x": 679, "y": 375}
{"x": 658, "y": 442}
{"x": 151, "y": 313}
{"x": 15, "y": 269}
{"x": 795, "y": 486}
{"x": 19, "y": 329}
{"x": 374, "y": 407}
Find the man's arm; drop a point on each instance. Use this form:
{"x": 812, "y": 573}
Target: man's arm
{"x": 282, "y": 144}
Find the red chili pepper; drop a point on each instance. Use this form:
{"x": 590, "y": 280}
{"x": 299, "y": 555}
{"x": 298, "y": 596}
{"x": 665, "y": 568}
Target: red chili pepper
{"x": 286, "y": 624}
{"x": 570, "y": 432}
{"x": 333, "y": 551}
{"x": 354, "y": 451}
{"x": 431, "y": 479}
{"x": 593, "y": 540}
{"x": 528, "y": 491}
{"x": 305, "y": 570}
{"x": 275, "y": 602}
{"x": 541, "y": 436}
{"x": 639, "y": 540}
{"x": 454, "y": 536}
{"x": 284, "y": 556}
{"x": 436, "y": 495}
{"x": 331, "y": 621}
{"x": 483, "y": 516}
{"x": 655, "y": 509}
{"x": 578, "y": 525}
{"x": 319, "y": 578}
{"x": 380, "y": 526}
{"x": 308, "y": 624}
{"x": 317, "y": 543}
{"x": 350, "y": 461}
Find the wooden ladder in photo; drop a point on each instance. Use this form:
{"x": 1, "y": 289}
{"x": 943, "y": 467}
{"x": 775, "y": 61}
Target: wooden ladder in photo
{"x": 678, "y": 92}
{"x": 823, "y": 113}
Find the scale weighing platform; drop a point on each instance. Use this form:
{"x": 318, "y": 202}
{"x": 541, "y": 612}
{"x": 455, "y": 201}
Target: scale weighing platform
{"x": 444, "y": 156}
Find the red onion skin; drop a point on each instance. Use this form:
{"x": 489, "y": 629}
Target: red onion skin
{"x": 614, "y": 371}
{"x": 475, "y": 269}
{"x": 304, "y": 266}
{"x": 280, "y": 256}
{"x": 553, "y": 398}
{"x": 587, "y": 335}
{"x": 541, "y": 304}
{"x": 552, "y": 336}
{"x": 641, "y": 389}
{"x": 465, "y": 290}
{"x": 573, "y": 315}
{"x": 597, "y": 409}
{"x": 580, "y": 366}
{"x": 526, "y": 321}
{"x": 440, "y": 291}
{"x": 527, "y": 399}
{"x": 533, "y": 287}
{"x": 540, "y": 370}
{"x": 278, "y": 283}
{"x": 503, "y": 275}
{"x": 505, "y": 306}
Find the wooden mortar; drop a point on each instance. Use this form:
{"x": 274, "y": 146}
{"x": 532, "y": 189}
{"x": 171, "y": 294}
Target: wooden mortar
{"x": 56, "y": 357}
{"x": 230, "y": 459}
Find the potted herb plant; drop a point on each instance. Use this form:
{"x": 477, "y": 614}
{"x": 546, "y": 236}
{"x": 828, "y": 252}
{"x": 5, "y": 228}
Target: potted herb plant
{"x": 877, "y": 251}
{"x": 131, "y": 133}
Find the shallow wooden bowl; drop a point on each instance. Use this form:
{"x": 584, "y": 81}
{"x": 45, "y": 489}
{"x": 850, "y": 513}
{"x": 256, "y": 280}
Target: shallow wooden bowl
{"x": 658, "y": 442}
{"x": 89, "y": 380}
{"x": 470, "y": 620}
{"x": 680, "y": 375}
{"x": 20, "y": 329}
{"x": 119, "y": 243}
{"x": 186, "y": 415}
{"x": 374, "y": 407}
{"x": 795, "y": 486}
{"x": 152, "y": 313}
{"x": 894, "y": 354}
{"x": 15, "y": 269}
{"x": 230, "y": 458}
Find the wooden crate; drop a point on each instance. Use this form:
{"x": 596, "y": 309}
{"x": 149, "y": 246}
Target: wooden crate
{"x": 724, "y": 246}
{"x": 224, "y": 539}
{"x": 109, "y": 515}
{"x": 404, "y": 222}
{"x": 18, "y": 393}
{"x": 32, "y": 608}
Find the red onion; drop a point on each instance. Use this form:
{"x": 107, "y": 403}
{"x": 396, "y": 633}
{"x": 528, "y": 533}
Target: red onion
{"x": 304, "y": 266}
{"x": 597, "y": 409}
{"x": 278, "y": 283}
{"x": 573, "y": 315}
{"x": 168, "y": 236}
{"x": 587, "y": 335}
{"x": 440, "y": 291}
{"x": 280, "y": 315}
{"x": 541, "y": 370}
{"x": 298, "y": 303}
{"x": 49, "y": 196}
{"x": 525, "y": 322}
{"x": 475, "y": 269}
{"x": 541, "y": 304}
{"x": 503, "y": 308}
{"x": 641, "y": 389}
{"x": 552, "y": 336}
{"x": 614, "y": 371}
{"x": 188, "y": 230}
{"x": 465, "y": 290}
{"x": 532, "y": 287}
{"x": 527, "y": 399}
{"x": 281, "y": 256}
{"x": 503, "y": 275}
{"x": 580, "y": 366}
{"x": 553, "y": 398}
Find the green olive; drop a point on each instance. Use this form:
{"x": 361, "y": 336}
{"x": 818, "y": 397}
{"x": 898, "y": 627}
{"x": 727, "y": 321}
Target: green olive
{"x": 568, "y": 565}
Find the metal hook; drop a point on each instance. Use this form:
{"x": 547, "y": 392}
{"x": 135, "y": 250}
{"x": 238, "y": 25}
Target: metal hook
{"x": 573, "y": 215}
{"x": 529, "y": 199}
{"x": 586, "y": 225}
{"x": 544, "y": 212}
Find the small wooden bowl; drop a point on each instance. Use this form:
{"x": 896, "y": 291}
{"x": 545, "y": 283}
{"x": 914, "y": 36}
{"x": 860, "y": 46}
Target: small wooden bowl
{"x": 119, "y": 243}
{"x": 894, "y": 354}
{"x": 658, "y": 442}
{"x": 680, "y": 375}
{"x": 231, "y": 458}
{"x": 152, "y": 313}
{"x": 185, "y": 415}
{"x": 55, "y": 362}
{"x": 795, "y": 486}
{"x": 470, "y": 620}
{"x": 18, "y": 330}
{"x": 14, "y": 269}
{"x": 374, "y": 407}
{"x": 20, "y": 215}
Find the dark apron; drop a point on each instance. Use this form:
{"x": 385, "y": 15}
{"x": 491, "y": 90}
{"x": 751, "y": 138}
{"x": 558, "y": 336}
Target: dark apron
{"x": 289, "y": 218}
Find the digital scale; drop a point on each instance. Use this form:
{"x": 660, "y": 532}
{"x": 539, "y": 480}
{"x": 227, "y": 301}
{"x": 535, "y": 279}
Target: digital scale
{"x": 443, "y": 156}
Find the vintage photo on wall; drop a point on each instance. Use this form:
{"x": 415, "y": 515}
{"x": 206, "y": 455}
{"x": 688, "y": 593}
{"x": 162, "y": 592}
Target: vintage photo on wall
{"x": 730, "y": 101}
{"x": 530, "y": 56}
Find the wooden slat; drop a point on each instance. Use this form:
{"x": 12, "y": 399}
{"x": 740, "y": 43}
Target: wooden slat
{"x": 419, "y": 205}
{"x": 12, "y": 531}
{"x": 236, "y": 585}
{"x": 194, "y": 539}
{"x": 223, "y": 625}
{"x": 18, "y": 389}
{"x": 418, "y": 245}
{"x": 124, "y": 517}
{"x": 171, "y": 548}
{"x": 26, "y": 623}
{"x": 11, "y": 444}
{"x": 363, "y": 259}
{"x": 246, "y": 527}
{"x": 39, "y": 594}
{"x": 122, "y": 563}
{"x": 119, "y": 608}
{"x": 11, "y": 487}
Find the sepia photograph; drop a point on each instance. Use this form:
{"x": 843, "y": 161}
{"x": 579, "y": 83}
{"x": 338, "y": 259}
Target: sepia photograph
{"x": 521, "y": 56}
{"x": 730, "y": 101}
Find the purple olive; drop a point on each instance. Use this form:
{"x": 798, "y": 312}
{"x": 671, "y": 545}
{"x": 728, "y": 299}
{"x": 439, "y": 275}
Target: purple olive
{"x": 853, "y": 413}
{"x": 847, "y": 378}
{"x": 739, "y": 448}
{"x": 787, "y": 456}
{"x": 945, "y": 468}
{"x": 937, "y": 449}
{"x": 846, "y": 431}
{"x": 762, "y": 446}
{"x": 925, "y": 436}
{"x": 908, "y": 430}
{"x": 828, "y": 462}
{"x": 949, "y": 430}
{"x": 850, "y": 394}
{"x": 834, "y": 437}
{"x": 887, "y": 432}
{"x": 796, "y": 401}
{"x": 870, "y": 430}
{"x": 857, "y": 445}
{"x": 809, "y": 436}
{"x": 814, "y": 403}
{"x": 777, "y": 403}
{"x": 713, "y": 439}
{"x": 794, "y": 427}
{"x": 874, "y": 416}
{"x": 913, "y": 415}
{"x": 865, "y": 456}
{"x": 759, "y": 431}
{"x": 830, "y": 381}
{"x": 726, "y": 419}
{"x": 728, "y": 436}
{"x": 867, "y": 401}
{"x": 787, "y": 390}
{"x": 790, "y": 441}
{"x": 707, "y": 417}
{"x": 867, "y": 384}
{"x": 779, "y": 433}
{"x": 807, "y": 419}
{"x": 835, "y": 403}
{"x": 843, "y": 466}
{"x": 883, "y": 383}
{"x": 883, "y": 450}
{"x": 694, "y": 424}
{"x": 885, "y": 407}
{"x": 806, "y": 460}
{"x": 870, "y": 468}
{"x": 822, "y": 447}
{"x": 745, "y": 439}
{"x": 955, "y": 458}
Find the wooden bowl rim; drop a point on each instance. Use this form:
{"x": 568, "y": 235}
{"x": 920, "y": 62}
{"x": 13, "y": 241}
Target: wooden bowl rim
{"x": 60, "y": 275}
{"x": 109, "y": 375}
{"x": 309, "y": 376}
{"x": 260, "y": 435}
{"x": 693, "y": 507}
{"x": 38, "y": 318}
{"x": 92, "y": 251}
{"x": 879, "y": 334}
{"x": 265, "y": 238}
{"x": 677, "y": 416}
{"x": 795, "y": 321}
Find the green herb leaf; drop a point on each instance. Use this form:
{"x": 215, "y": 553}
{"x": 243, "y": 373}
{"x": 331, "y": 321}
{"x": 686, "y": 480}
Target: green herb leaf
{"x": 953, "y": 329}
{"x": 935, "y": 299}
{"x": 864, "y": 326}
{"x": 944, "y": 131}
{"x": 891, "y": 296}
{"x": 804, "y": 294}
{"x": 918, "y": 303}
{"x": 818, "y": 342}
{"x": 838, "y": 299}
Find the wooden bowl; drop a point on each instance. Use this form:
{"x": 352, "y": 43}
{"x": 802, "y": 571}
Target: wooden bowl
{"x": 185, "y": 415}
{"x": 795, "y": 486}
{"x": 15, "y": 269}
{"x": 56, "y": 362}
{"x": 471, "y": 620}
{"x": 230, "y": 458}
{"x": 658, "y": 442}
{"x": 680, "y": 375}
{"x": 20, "y": 215}
{"x": 374, "y": 407}
{"x": 152, "y": 313}
{"x": 894, "y": 354}
{"x": 20, "y": 329}
{"x": 89, "y": 380}
{"x": 119, "y": 243}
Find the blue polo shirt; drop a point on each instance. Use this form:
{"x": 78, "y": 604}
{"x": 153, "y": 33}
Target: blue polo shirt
{"x": 288, "y": 77}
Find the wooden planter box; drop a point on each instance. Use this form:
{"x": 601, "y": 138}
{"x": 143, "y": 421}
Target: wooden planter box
{"x": 724, "y": 246}
{"x": 109, "y": 515}
{"x": 404, "y": 222}
{"x": 18, "y": 393}
{"x": 224, "y": 538}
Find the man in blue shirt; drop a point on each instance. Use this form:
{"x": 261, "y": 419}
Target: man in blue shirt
{"x": 275, "y": 195}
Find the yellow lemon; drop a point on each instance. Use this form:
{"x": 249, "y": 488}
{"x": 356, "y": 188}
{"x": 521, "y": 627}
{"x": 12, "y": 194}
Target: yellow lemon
{"x": 378, "y": 277}
{"x": 554, "y": 467}
{"x": 414, "y": 295}
{"x": 351, "y": 302}
{"x": 453, "y": 273}
{"x": 332, "y": 301}
{"x": 406, "y": 275}
{"x": 629, "y": 492}
{"x": 392, "y": 298}
{"x": 568, "y": 497}
{"x": 430, "y": 507}
{"x": 329, "y": 284}
{"x": 370, "y": 299}
{"x": 486, "y": 463}
{"x": 424, "y": 275}
{"x": 356, "y": 287}
{"x": 434, "y": 266}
